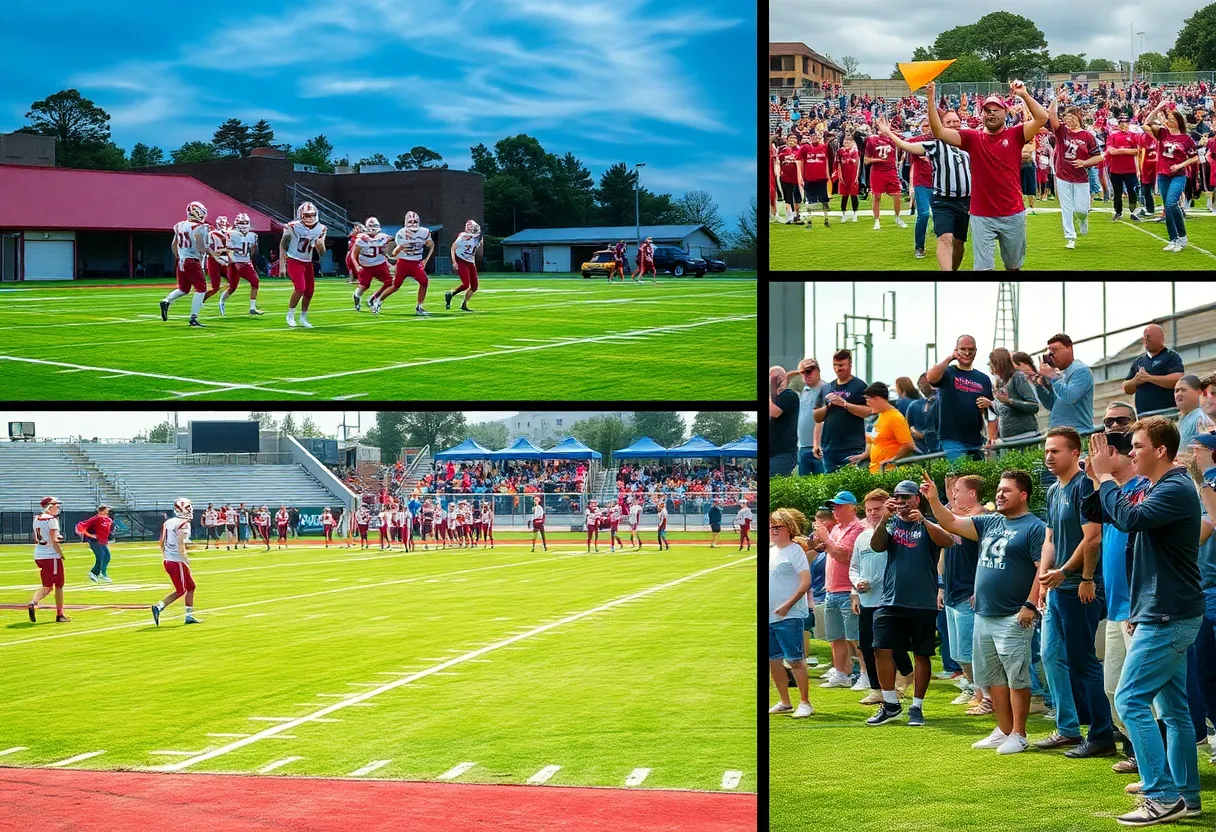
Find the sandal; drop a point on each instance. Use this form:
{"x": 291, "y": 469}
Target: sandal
{"x": 982, "y": 709}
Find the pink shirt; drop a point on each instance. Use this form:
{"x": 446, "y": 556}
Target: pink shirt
{"x": 836, "y": 573}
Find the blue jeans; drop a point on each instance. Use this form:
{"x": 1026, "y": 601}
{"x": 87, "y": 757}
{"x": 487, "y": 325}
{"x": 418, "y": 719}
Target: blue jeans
{"x": 101, "y": 557}
{"x": 782, "y": 465}
{"x": 1155, "y": 671}
{"x": 1095, "y": 187}
{"x": 1073, "y": 670}
{"x": 808, "y": 463}
{"x": 1171, "y": 189}
{"x": 835, "y": 460}
{"x": 955, "y": 450}
{"x": 1202, "y": 661}
{"x": 924, "y": 197}
{"x": 1037, "y": 687}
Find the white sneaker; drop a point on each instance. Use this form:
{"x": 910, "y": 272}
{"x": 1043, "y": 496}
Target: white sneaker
{"x": 993, "y": 740}
{"x": 900, "y": 222}
{"x": 1071, "y": 244}
{"x": 1171, "y": 246}
{"x": 291, "y": 322}
{"x": 804, "y": 710}
{"x": 838, "y": 680}
{"x": 862, "y": 683}
{"x": 304, "y": 323}
{"x": 963, "y": 698}
{"x": 827, "y": 673}
{"x": 221, "y": 305}
{"x": 106, "y": 579}
{"x": 844, "y": 216}
{"x": 93, "y": 578}
{"x": 781, "y": 708}
{"x": 1013, "y": 744}
{"x": 1181, "y": 243}
{"x": 774, "y": 218}
{"x": 877, "y": 225}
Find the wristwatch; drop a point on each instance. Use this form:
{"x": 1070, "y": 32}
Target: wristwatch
{"x": 1031, "y": 607}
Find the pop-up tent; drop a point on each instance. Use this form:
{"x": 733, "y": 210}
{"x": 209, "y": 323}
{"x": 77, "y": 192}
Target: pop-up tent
{"x": 468, "y": 449}
{"x": 521, "y": 448}
{"x": 697, "y": 447}
{"x": 571, "y": 448}
{"x": 644, "y": 448}
{"x": 741, "y": 447}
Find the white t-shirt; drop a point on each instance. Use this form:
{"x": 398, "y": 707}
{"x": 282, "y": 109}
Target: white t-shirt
{"x": 784, "y": 566}
{"x": 173, "y": 552}
{"x": 46, "y": 527}
{"x": 413, "y": 242}
{"x": 635, "y": 515}
{"x": 538, "y": 512}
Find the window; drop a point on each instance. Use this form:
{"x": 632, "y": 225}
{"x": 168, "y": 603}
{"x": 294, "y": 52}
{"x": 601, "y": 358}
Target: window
{"x": 559, "y": 422}
{"x": 806, "y": 65}
{"x": 774, "y": 63}
{"x": 529, "y": 424}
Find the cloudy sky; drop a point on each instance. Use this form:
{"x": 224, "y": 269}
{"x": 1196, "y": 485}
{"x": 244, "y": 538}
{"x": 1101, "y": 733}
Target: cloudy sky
{"x": 668, "y": 83}
{"x": 880, "y": 32}
{"x": 973, "y": 312}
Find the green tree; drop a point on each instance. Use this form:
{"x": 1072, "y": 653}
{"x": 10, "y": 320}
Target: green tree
{"x": 665, "y": 427}
{"x": 232, "y": 138}
{"x": 483, "y": 160}
{"x": 923, "y": 53}
{"x": 749, "y": 429}
{"x": 265, "y": 420}
{"x": 317, "y": 151}
{"x": 573, "y": 190}
{"x": 1152, "y": 62}
{"x": 896, "y": 74}
{"x": 509, "y": 203}
{"x": 492, "y": 435}
{"x": 699, "y": 208}
{"x": 744, "y": 238}
{"x": 143, "y": 156}
{"x": 309, "y": 430}
{"x": 374, "y": 159}
{"x": 419, "y": 158}
{"x": 615, "y": 200}
{"x": 162, "y": 433}
{"x": 1182, "y": 65}
{"x": 720, "y": 427}
{"x": 388, "y": 434}
{"x": 288, "y": 426}
{"x": 192, "y": 152}
{"x": 261, "y": 134}
{"x": 1067, "y": 63}
{"x": 1101, "y": 65}
{"x": 439, "y": 430}
{"x": 603, "y": 433}
{"x": 81, "y": 131}
{"x": 1010, "y": 43}
{"x": 1197, "y": 40}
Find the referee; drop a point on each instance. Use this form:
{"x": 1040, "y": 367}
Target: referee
{"x": 951, "y": 189}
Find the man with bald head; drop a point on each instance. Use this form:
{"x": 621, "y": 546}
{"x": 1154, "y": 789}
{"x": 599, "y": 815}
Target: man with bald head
{"x": 962, "y": 420}
{"x": 782, "y": 424}
{"x": 1154, "y": 373}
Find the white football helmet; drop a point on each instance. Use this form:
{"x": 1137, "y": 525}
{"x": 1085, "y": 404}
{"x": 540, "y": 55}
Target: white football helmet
{"x": 471, "y": 227}
{"x": 242, "y": 223}
{"x": 412, "y": 221}
{"x": 358, "y": 229}
{"x": 196, "y": 211}
{"x": 372, "y": 225}
{"x": 222, "y": 223}
{"x": 183, "y": 508}
{"x": 307, "y": 214}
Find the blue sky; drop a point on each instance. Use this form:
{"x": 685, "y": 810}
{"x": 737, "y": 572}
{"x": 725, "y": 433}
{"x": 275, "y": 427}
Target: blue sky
{"x": 671, "y": 84}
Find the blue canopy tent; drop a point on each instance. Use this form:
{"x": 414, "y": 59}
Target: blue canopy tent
{"x": 571, "y": 448}
{"x": 468, "y": 449}
{"x": 521, "y": 448}
{"x": 697, "y": 447}
{"x": 741, "y": 447}
{"x": 644, "y": 448}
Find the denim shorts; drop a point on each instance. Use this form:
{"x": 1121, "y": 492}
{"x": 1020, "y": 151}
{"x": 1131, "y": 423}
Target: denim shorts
{"x": 785, "y": 639}
{"x": 960, "y": 620}
{"x": 839, "y": 621}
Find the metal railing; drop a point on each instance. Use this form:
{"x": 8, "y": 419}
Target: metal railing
{"x": 329, "y": 213}
{"x": 237, "y": 459}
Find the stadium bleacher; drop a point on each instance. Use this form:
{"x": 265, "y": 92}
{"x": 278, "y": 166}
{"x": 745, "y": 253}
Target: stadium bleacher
{"x": 30, "y": 471}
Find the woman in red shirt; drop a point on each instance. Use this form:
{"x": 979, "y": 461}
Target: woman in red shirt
{"x": 1176, "y": 153}
{"x": 96, "y": 531}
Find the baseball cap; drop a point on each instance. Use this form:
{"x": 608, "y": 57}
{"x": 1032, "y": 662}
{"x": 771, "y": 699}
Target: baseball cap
{"x": 1207, "y": 440}
{"x": 906, "y": 487}
{"x": 46, "y": 501}
{"x": 843, "y": 498}
{"x": 994, "y": 99}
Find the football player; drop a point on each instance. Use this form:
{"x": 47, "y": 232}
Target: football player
{"x": 175, "y": 544}
{"x": 242, "y": 248}
{"x": 189, "y": 244}
{"x": 371, "y": 260}
{"x": 635, "y": 521}
{"x": 301, "y": 237}
{"x": 744, "y": 520}
{"x": 592, "y": 520}
{"x": 487, "y": 522}
{"x": 355, "y": 232}
{"x": 261, "y": 521}
{"x": 48, "y": 555}
{"x": 662, "y": 501}
{"x": 614, "y": 522}
{"x": 230, "y": 523}
{"x": 411, "y": 241}
{"x": 464, "y": 254}
{"x": 327, "y": 525}
{"x": 282, "y": 519}
{"x": 538, "y": 524}
{"x": 363, "y": 518}
{"x": 619, "y": 253}
{"x": 217, "y": 257}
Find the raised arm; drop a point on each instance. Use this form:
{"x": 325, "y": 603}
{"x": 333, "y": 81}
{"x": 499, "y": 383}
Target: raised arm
{"x": 947, "y": 134}
{"x": 915, "y": 148}
{"x": 1038, "y": 115}
{"x": 950, "y": 522}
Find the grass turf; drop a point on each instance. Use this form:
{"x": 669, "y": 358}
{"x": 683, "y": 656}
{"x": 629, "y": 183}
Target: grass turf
{"x": 855, "y": 778}
{"x": 550, "y": 338}
{"x": 1123, "y": 246}
{"x": 599, "y": 697}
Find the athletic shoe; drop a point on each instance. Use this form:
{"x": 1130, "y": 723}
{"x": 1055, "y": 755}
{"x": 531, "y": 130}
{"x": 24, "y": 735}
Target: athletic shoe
{"x": 804, "y": 710}
{"x": 963, "y": 698}
{"x": 62, "y": 619}
{"x": 420, "y": 312}
{"x": 256, "y": 311}
{"x": 827, "y": 673}
{"x": 1194, "y": 811}
{"x": 796, "y": 221}
{"x": 1127, "y": 766}
{"x": 993, "y": 740}
{"x": 447, "y": 300}
{"x": 106, "y": 579}
{"x": 1171, "y": 246}
{"x": 916, "y": 717}
{"x": 774, "y": 218}
{"x": 862, "y": 683}
{"x": 1134, "y": 788}
{"x": 948, "y": 674}
{"x": 358, "y": 303}
{"x": 464, "y": 307}
{"x": 920, "y": 254}
{"x": 33, "y": 615}
{"x": 164, "y": 310}
{"x": 195, "y": 321}
{"x": 375, "y": 306}
{"x": 1058, "y": 740}
{"x": 1013, "y": 744}
{"x": 1050, "y": 714}
{"x": 291, "y": 322}
{"x": 1033, "y": 211}
{"x": 190, "y": 619}
{"x": 781, "y": 708}
{"x": 1158, "y": 219}
{"x": 1071, "y": 244}
{"x": 838, "y": 680}
{"x": 1116, "y": 218}
{"x": 156, "y": 614}
{"x": 304, "y": 323}
{"x": 844, "y": 216}
{"x": 872, "y": 698}
{"x": 1091, "y": 749}
{"x": 1181, "y": 243}
{"x": 93, "y": 578}
{"x": 1150, "y": 813}
{"x": 899, "y": 221}
{"x": 877, "y": 225}
{"x": 1134, "y": 217}
{"x": 885, "y": 713}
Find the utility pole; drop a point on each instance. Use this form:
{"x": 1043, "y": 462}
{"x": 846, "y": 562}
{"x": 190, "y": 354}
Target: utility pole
{"x": 866, "y": 339}
{"x": 637, "y": 201}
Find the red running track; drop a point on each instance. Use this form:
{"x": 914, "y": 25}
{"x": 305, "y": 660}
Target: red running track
{"x": 99, "y": 801}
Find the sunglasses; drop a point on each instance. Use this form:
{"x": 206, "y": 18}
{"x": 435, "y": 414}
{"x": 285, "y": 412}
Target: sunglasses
{"x": 1117, "y": 421}
{"x": 775, "y": 528}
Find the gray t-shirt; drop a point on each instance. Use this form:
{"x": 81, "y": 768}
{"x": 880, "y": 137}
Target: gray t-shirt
{"x": 784, "y": 566}
{"x": 1009, "y": 555}
{"x": 1064, "y": 516}
{"x": 806, "y": 413}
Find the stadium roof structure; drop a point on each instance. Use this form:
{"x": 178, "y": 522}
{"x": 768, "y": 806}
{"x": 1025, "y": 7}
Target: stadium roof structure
{"x": 604, "y": 234}
{"x": 521, "y": 448}
{"x": 741, "y": 447}
{"x": 106, "y": 200}
{"x": 696, "y": 447}
{"x": 571, "y": 448}
{"x": 468, "y": 449}
{"x": 785, "y": 48}
{"x": 644, "y": 448}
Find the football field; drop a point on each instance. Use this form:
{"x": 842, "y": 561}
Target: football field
{"x": 495, "y": 666}
{"x": 560, "y": 338}
{"x": 1110, "y": 246}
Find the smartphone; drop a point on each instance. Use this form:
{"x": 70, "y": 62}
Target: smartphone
{"x": 1048, "y": 360}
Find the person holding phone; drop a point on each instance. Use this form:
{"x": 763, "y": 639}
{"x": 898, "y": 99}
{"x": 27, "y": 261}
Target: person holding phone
{"x": 1065, "y": 386}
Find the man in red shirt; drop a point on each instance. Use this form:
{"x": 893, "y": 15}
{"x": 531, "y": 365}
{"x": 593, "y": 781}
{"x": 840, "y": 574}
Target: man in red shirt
{"x": 1076, "y": 150}
{"x": 814, "y": 170}
{"x": 997, "y": 212}
{"x": 1122, "y": 153}
{"x": 791, "y": 179}
{"x": 884, "y": 178}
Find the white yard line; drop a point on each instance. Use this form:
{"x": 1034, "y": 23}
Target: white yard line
{"x": 221, "y": 386}
{"x": 78, "y": 758}
{"x": 637, "y": 776}
{"x": 369, "y": 768}
{"x": 269, "y": 767}
{"x": 544, "y": 774}
{"x": 730, "y": 780}
{"x": 456, "y": 770}
{"x": 177, "y": 753}
{"x": 13, "y": 750}
{"x": 1151, "y": 234}
{"x": 422, "y": 674}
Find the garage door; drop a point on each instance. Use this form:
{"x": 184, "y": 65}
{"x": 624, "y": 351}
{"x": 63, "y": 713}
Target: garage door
{"x": 50, "y": 260}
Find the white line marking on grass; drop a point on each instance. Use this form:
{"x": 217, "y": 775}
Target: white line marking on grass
{"x": 1151, "y": 234}
{"x": 637, "y": 776}
{"x": 78, "y": 758}
{"x": 455, "y": 771}
{"x": 220, "y": 386}
{"x": 544, "y": 774}
{"x": 512, "y": 350}
{"x": 177, "y": 753}
{"x": 13, "y": 750}
{"x": 730, "y": 780}
{"x": 369, "y": 768}
{"x": 61, "y": 372}
{"x": 349, "y": 396}
{"x": 422, "y": 674}
{"x": 365, "y": 684}
{"x": 269, "y": 767}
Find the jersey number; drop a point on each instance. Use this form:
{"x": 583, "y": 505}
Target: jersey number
{"x": 38, "y": 535}
{"x": 243, "y": 250}
{"x": 185, "y": 239}
{"x": 304, "y": 246}
{"x": 992, "y": 552}
{"x": 373, "y": 251}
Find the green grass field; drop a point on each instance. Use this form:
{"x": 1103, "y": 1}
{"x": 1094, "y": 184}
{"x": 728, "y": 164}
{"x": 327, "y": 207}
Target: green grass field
{"x": 852, "y": 777}
{"x": 559, "y": 338}
{"x": 1123, "y": 246}
{"x": 365, "y": 656}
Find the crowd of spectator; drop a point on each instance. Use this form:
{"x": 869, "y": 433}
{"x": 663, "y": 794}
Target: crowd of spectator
{"x": 689, "y": 487}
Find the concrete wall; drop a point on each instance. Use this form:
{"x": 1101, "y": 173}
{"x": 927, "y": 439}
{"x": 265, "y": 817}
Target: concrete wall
{"x": 24, "y": 149}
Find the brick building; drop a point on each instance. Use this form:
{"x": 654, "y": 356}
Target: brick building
{"x": 797, "y": 66}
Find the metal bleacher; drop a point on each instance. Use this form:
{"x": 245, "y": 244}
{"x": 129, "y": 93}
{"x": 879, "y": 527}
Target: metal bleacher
{"x": 30, "y": 471}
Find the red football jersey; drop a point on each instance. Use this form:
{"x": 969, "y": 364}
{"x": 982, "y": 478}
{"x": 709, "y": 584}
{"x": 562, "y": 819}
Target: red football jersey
{"x": 1173, "y": 149}
{"x": 788, "y": 156}
{"x": 996, "y": 171}
{"x": 881, "y": 148}
{"x": 1148, "y": 163}
{"x": 1070, "y": 145}
{"x": 814, "y": 162}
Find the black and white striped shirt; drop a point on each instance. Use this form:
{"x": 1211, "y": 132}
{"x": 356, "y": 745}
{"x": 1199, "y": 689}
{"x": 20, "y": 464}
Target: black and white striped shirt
{"x": 951, "y": 169}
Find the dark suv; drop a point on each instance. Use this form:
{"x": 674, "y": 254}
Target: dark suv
{"x": 677, "y": 261}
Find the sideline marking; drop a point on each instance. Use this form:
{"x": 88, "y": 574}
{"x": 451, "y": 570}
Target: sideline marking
{"x": 636, "y": 778}
{"x": 78, "y": 758}
{"x": 730, "y": 780}
{"x": 1151, "y": 234}
{"x": 176, "y": 753}
{"x": 456, "y": 770}
{"x": 266, "y": 769}
{"x": 222, "y": 386}
{"x": 422, "y": 674}
{"x": 369, "y": 768}
{"x": 544, "y": 774}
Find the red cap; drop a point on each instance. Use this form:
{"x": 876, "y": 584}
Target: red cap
{"x": 46, "y": 501}
{"x": 994, "y": 99}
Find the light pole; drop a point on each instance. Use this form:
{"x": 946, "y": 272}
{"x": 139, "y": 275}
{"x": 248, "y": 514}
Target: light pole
{"x": 1141, "y": 36}
{"x": 637, "y": 202}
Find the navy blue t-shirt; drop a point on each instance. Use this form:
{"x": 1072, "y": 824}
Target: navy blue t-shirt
{"x": 910, "y": 579}
{"x": 959, "y": 574}
{"x": 1065, "y": 518}
{"x": 961, "y": 420}
{"x": 1008, "y": 564}
{"x": 842, "y": 431}
{"x": 1150, "y": 396}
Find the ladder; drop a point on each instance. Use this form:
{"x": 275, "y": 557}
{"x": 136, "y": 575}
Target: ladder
{"x": 1005, "y": 331}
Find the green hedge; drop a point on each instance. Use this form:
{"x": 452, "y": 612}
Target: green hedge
{"x": 807, "y": 494}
